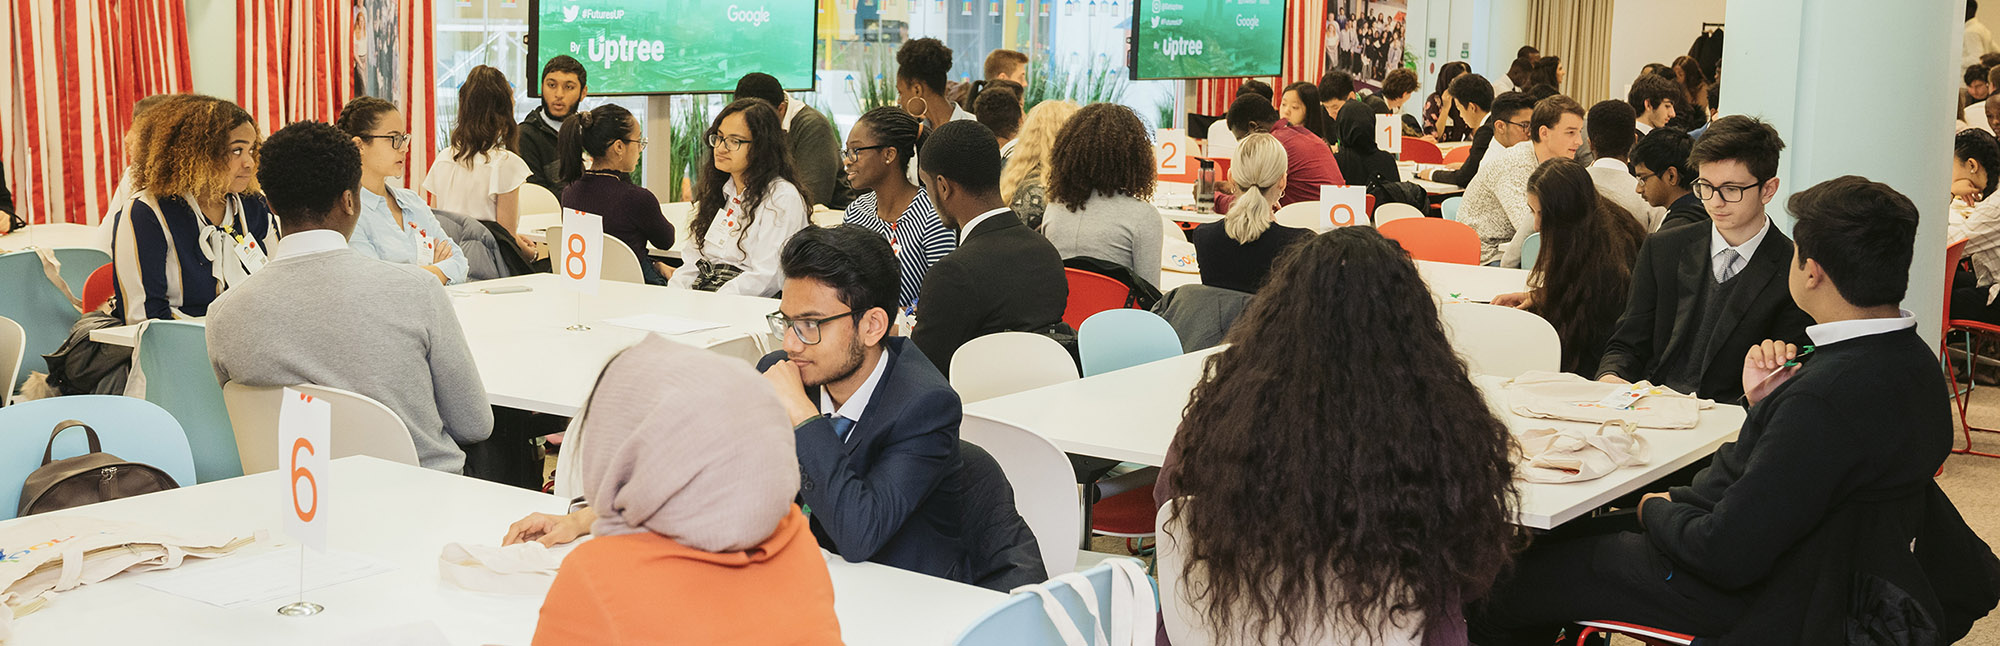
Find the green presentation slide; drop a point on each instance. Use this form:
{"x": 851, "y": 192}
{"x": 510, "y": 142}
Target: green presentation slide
{"x": 674, "y": 46}
{"x": 1177, "y": 39}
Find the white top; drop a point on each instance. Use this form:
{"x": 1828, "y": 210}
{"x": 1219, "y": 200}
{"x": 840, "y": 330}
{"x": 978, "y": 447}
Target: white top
{"x": 1496, "y": 203}
{"x": 1613, "y": 164}
{"x": 1837, "y": 331}
{"x": 1981, "y": 231}
{"x": 1617, "y": 183}
{"x": 309, "y": 242}
{"x": 1221, "y": 142}
{"x": 473, "y": 189}
{"x": 1978, "y": 42}
{"x": 857, "y": 404}
{"x": 1716, "y": 245}
{"x": 782, "y": 213}
{"x": 1642, "y": 127}
{"x": 974, "y": 224}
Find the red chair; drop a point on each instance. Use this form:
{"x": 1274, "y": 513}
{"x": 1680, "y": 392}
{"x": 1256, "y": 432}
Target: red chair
{"x": 1435, "y": 239}
{"x": 1458, "y": 155}
{"x": 97, "y": 289}
{"x": 1370, "y": 207}
{"x": 1962, "y": 396}
{"x": 1090, "y": 293}
{"x": 1422, "y": 152}
{"x": 1644, "y": 634}
{"x": 1128, "y": 515}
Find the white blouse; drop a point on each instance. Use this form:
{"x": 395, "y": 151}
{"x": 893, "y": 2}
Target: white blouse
{"x": 472, "y": 188}
{"x": 781, "y": 214}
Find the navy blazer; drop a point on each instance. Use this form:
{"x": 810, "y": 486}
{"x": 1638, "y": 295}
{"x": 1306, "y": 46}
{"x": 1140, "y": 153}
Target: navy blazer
{"x": 890, "y": 493}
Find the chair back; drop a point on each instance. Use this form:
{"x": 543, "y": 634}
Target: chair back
{"x": 1531, "y": 250}
{"x": 361, "y": 426}
{"x": 1458, "y": 155}
{"x": 78, "y": 265}
{"x": 1435, "y": 239}
{"x": 743, "y": 347}
{"x": 44, "y": 314}
{"x": 98, "y": 288}
{"x": 1119, "y": 339}
{"x": 535, "y": 200}
{"x": 1021, "y": 620}
{"x": 1302, "y": 215}
{"x": 1004, "y": 363}
{"x": 133, "y": 429}
{"x": 1449, "y": 207}
{"x": 1422, "y": 152}
{"x": 1090, "y": 293}
{"x": 1501, "y": 341}
{"x": 1395, "y": 211}
{"x": 12, "y": 339}
{"x": 173, "y": 356}
{"x": 1045, "y": 490}
{"x": 616, "y": 262}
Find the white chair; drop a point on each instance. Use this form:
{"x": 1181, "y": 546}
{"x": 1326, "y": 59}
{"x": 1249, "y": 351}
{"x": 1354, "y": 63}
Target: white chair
{"x": 1004, "y": 363}
{"x": 361, "y": 426}
{"x": 1045, "y": 490}
{"x": 1501, "y": 341}
{"x": 1303, "y": 215}
{"x": 745, "y": 347}
{"x": 617, "y": 261}
{"x": 13, "y": 343}
{"x": 1395, "y": 211}
{"x": 535, "y": 200}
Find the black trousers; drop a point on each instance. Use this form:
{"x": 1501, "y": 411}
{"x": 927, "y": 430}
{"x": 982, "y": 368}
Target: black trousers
{"x": 1968, "y": 300}
{"x": 1592, "y": 569}
{"x": 510, "y": 456}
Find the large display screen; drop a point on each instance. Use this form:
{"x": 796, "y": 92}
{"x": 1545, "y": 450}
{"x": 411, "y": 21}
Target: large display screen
{"x": 676, "y": 46}
{"x": 1186, "y": 39}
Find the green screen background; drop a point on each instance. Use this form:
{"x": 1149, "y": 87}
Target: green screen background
{"x": 705, "y": 50}
{"x": 1227, "y": 49}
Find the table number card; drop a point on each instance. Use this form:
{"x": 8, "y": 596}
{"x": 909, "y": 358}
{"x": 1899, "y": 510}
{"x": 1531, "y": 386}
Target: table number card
{"x": 1170, "y": 154}
{"x": 1388, "y": 133}
{"x": 580, "y": 252}
{"x": 1345, "y": 206}
{"x": 304, "y": 428}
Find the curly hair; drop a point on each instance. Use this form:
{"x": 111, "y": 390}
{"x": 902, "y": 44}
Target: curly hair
{"x": 309, "y": 166}
{"x": 1031, "y": 149}
{"x": 926, "y": 61}
{"x": 1104, "y": 150}
{"x": 768, "y": 163}
{"x": 1376, "y": 477}
{"x": 1589, "y": 246}
{"x": 485, "y": 115}
{"x": 181, "y": 146}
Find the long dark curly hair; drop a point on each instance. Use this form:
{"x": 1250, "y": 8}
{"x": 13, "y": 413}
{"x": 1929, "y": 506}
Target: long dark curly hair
{"x": 769, "y": 161}
{"x": 1103, "y": 149}
{"x": 181, "y": 146}
{"x": 1589, "y": 245}
{"x": 1337, "y": 460}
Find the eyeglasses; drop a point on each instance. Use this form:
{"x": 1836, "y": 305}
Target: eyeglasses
{"x": 730, "y": 144}
{"x": 397, "y": 140}
{"x": 850, "y": 154}
{"x": 807, "y": 329}
{"x": 641, "y": 141}
{"x": 1645, "y": 176}
{"x": 1516, "y": 124}
{"x": 1730, "y": 193}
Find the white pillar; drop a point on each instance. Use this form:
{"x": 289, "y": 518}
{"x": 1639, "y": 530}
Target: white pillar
{"x": 1856, "y": 87}
{"x": 211, "y": 41}
{"x": 1500, "y": 28}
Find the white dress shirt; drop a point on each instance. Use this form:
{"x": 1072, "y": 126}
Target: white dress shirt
{"x": 309, "y": 242}
{"x": 1642, "y": 127}
{"x": 969, "y": 226}
{"x": 857, "y": 404}
{"x": 1716, "y": 245}
{"x": 782, "y": 213}
{"x": 1837, "y": 331}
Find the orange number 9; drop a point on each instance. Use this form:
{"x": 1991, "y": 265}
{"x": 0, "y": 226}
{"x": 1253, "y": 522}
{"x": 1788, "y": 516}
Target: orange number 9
{"x": 1343, "y": 215}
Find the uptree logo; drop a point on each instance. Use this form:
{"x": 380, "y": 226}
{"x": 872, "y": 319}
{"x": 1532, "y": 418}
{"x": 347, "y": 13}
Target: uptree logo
{"x": 624, "y": 50}
{"x": 1177, "y": 47}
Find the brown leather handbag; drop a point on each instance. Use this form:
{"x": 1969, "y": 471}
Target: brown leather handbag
{"x": 89, "y": 478}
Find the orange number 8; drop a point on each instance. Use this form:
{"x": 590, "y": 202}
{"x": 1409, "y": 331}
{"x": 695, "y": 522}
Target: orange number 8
{"x": 1340, "y": 219}
{"x": 297, "y": 473}
{"x": 574, "y": 247}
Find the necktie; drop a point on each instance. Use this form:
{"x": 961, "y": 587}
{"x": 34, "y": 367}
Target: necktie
{"x": 1727, "y": 265}
{"x": 841, "y": 426}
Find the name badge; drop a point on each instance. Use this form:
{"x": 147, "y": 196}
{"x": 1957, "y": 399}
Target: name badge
{"x": 251, "y": 254}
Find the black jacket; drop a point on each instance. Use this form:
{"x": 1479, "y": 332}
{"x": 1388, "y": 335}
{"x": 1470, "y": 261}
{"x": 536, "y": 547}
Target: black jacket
{"x": 1001, "y": 552}
{"x": 1687, "y": 210}
{"x": 537, "y": 147}
{"x": 816, "y": 156}
{"x": 1003, "y": 277}
{"x": 1481, "y": 139}
{"x": 1660, "y": 315}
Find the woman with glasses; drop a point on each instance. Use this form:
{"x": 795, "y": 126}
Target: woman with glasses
{"x": 747, "y": 203}
{"x": 395, "y": 225}
{"x": 877, "y": 159}
{"x": 611, "y": 137}
{"x": 479, "y": 176}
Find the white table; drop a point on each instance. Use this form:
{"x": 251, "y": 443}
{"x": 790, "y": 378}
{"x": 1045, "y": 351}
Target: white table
{"x": 1449, "y": 281}
{"x": 534, "y": 226}
{"x": 49, "y": 236}
{"x": 1131, "y": 415}
{"x": 404, "y": 515}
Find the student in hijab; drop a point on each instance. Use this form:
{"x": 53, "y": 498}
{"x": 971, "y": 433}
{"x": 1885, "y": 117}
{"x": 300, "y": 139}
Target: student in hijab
{"x": 1361, "y": 162}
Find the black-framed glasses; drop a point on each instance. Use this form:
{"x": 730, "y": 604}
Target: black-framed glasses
{"x": 807, "y": 329}
{"x": 847, "y": 154}
{"x": 731, "y": 144}
{"x": 641, "y": 141}
{"x": 1645, "y": 176}
{"x": 1730, "y": 193}
{"x": 397, "y": 140}
{"x": 1516, "y": 124}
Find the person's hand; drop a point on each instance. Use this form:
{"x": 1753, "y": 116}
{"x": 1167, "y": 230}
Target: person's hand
{"x": 1613, "y": 379}
{"x": 6, "y": 222}
{"x": 791, "y": 386}
{"x": 1763, "y": 368}
{"x": 1642, "y": 502}
{"x": 1964, "y": 190}
{"x": 1455, "y": 165}
{"x": 549, "y": 529}
{"x": 1517, "y": 300}
{"x": 527, "y": 245}
{"x": 1226, "y": 188}
{"x": 666, "y": 270}
{"x": 441, "y": 252}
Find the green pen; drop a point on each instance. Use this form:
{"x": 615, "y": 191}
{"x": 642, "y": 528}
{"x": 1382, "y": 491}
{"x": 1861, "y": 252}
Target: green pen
{"x": 1788, "y": 364}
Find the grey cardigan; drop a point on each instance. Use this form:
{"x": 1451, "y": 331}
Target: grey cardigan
{"x": 1118, "y": 228}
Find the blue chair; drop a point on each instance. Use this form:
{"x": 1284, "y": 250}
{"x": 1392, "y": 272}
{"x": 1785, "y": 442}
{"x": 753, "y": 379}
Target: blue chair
{"x": 1020, "y": 620}
{"x": 44, "y": 314}
{"x": 1450, "y": 207}
{"x": 77, "y": 265}
{"x": 174, "y": 357}
{"x": 1122, "y": 338}
{"x": 1531, "y": 248}
{"x": 132, "y": 429}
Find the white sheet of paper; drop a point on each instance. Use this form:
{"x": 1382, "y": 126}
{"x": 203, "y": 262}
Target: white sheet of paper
{"x": 304, "y": 449}
{"x": 1345, "y": 206}
{"x": 1388, "y": 133}
{"x": 578, "y": 255}
{"x": 242, "y": 581}
{"x": 663, "y": 324}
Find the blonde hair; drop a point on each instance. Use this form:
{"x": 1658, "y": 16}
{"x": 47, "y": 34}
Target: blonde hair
{"x": 1260, "y": 163}
{"x": 1031, "y": 149}
{"x": 181, "y": 146}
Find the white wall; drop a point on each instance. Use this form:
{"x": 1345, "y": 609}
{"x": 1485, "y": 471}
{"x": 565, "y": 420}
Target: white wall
{"x": 212, "y": 46}
{"x": 1654, "y": 31}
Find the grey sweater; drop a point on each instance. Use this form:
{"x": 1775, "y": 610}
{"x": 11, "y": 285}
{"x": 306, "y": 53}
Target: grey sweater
{"x": 1118, "y": 229}
{"x": 341, "y": 320}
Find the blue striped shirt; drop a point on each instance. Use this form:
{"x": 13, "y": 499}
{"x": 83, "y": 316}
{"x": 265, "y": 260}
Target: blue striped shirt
{"x": 920, "y": 237}
{"x": 161, "y": 268}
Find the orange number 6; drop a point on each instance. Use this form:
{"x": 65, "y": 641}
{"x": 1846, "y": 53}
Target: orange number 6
{"x": 573, "y": 262}
{"x": 1341, "y": 219}
{"x": 303, "y": 514}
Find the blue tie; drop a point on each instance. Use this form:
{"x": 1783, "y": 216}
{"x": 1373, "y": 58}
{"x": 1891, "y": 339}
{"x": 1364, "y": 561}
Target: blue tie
{"x": 841, "y": 426}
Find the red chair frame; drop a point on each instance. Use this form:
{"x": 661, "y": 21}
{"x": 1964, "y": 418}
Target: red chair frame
{"x": 1090, "y": 293}
{"x": 1962, "y": 397}
{"x": 1422, "y": 152}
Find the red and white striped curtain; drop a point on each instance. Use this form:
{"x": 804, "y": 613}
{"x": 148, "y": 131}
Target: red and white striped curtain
{"x": 297, "y": 60}
{"x": 418, "y": 92}
{"x": 77, "y": 67}
{"x": 1305, "y": 58}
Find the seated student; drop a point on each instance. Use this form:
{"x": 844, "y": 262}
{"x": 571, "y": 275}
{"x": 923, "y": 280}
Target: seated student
{"x": 1501, "y": 119}
{"x": 1653, "y": 99}
{"x": 1003, "y": 277}
{"x": 1281, "y": 549}
{"x": 1660, "y": 163}
{"x": 1546, "y": 78}
{"x": 999, "y": 108}
{"x": 478, "y": 175}
{"x": 395, "y": 225}
{"x": 1101, "y": 180}
{"x": 878, "y": 153}
{"x": 808, "y": 136}
{"x": 1694, "y": 81}
{"x": 1221, "y": 140}
{"x": 1727, "y": 274}
{"x": 1300, "y": 107}
{"x": 1988, "y": 112}
{"x": 1397, "y": 88}
{"x": 121, "y": 197}
{"x": 746, "y": 204}
{"x": 1611, "y": 141}
{"x": 1361, "y": 162}
{"x": 1585, "y": 270}
{"x": 1238, "y": 252}
{"x": 1024, "y": 181}
{"x": 704, "y": 545}
{"x": 922, "y": 65}
{"x": 1006, "y": 65}
{"x": 197, "y": 225}
{"x": 1309, "y": 163}
{"x": 322, "y": 314}
{"x": 613, "y": 140}
{"x": 1976, "y": 88}
{"x": 1442, "y": 119}
{"x": 1496, "y": 202}
{"x": 1975, "y": 179}
{"x": 1336, "y": 88}
{"x": 564, "y": 85}
{"x": 1844, "y": 444}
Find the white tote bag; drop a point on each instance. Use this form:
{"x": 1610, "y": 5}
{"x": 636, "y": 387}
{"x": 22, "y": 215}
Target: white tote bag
{"x": 1131, "y": 613}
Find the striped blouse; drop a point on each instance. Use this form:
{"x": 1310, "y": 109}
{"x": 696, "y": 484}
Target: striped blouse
{"x": 170, "y": 262}
{"x": 919, "y": 237}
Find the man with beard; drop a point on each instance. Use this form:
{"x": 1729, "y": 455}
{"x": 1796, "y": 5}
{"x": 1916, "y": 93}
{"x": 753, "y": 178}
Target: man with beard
{"x": 564, "y": 84}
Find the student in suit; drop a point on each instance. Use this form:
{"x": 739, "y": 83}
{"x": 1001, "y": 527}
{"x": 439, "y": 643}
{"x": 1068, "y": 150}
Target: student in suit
{"x": 1653, "y": 99}
{"x": 1612, "y": 143}
{"x": 1701, "y": 294}
{"x": 1505, "y": 125}
{"x": 1003, "y": 277}
{"x": 808, "y": 136}
{"x": 1824, "y": 484}
{"x": 1660, "y": 163}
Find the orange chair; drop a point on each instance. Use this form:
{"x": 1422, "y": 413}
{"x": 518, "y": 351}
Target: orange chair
{"x": 1422, "y": 152}
{"x": 1435, "y": 239}
{"x": 98, "y": 288}
{"x": 1458, "y": 155}
{"x": 1962, "y": 396}
{"x": 1090, "y": 293}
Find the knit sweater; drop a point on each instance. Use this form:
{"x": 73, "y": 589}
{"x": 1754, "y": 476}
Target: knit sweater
{"x": 1119, "y": 229}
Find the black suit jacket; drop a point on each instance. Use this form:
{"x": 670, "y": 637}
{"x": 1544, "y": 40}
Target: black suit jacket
{"x": 1003, "y": 277}
{"x": 890, "y": 493}
{"x": 1687, "y": 210}
{"x": 1481, "y": 140}
{"x": 1659, "y": 318}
